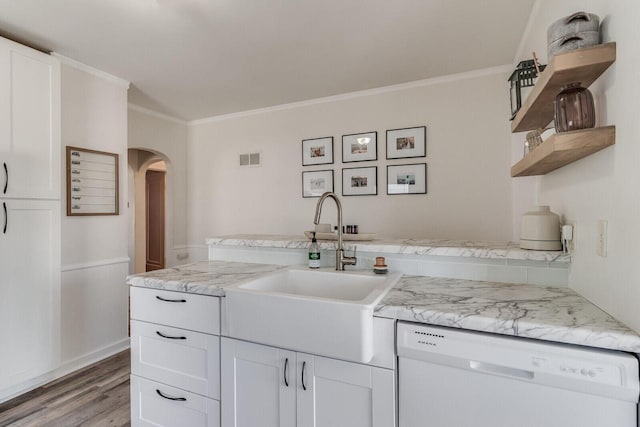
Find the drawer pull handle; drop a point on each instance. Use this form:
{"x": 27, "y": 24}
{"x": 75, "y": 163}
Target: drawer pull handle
{"x": 170, "y": 337}
{"x": 179, "y": 399}
{"x": 6, "y": 179}
{"x": 6, "y": 218}
{"x": 286, "y": 366}
{"x": 304, "y": 365}
{"x": 170, "y": 300}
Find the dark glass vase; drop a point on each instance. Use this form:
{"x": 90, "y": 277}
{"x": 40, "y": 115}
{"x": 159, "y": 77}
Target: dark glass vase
{"x": 574, "y": 109}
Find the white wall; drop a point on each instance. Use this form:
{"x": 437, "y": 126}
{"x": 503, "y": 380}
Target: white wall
{"x": 468, "y": 157}
{"x": 94, "y": 248}
{"x": 168, "y": 137}
{"x": 606, "y": 184}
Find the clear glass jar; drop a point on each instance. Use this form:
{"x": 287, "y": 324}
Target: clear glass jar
{"x": 574, "y": 109}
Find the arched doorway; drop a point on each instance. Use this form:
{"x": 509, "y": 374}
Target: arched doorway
{"x": 148, "y": 210}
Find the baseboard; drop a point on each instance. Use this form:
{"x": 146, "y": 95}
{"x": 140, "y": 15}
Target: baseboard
{"x": 65, "y": 369}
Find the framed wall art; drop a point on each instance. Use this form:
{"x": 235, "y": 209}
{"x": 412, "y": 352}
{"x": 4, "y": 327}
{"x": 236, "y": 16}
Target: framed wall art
{"x": 314, "y": 183}
{"x": 317, "y": 151}
{"x": 407, "y": 179}
{"x": 360, "y": 147}
{"x": 406, "y": 143}
{"x": 92, "y": 182}
{"x": 360, "y": 181}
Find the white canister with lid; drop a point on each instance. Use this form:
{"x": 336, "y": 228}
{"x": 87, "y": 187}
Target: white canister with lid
{"x": 540, "y": 230}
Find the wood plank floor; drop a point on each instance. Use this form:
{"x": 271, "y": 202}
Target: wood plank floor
{"x": 97, "y": 395}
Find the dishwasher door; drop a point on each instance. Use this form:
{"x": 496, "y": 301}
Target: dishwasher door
{"x": 450, "y": 378}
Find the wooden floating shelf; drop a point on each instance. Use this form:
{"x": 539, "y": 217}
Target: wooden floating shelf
{"x": 561, "y": 149}
{"x": 581, "y": 65}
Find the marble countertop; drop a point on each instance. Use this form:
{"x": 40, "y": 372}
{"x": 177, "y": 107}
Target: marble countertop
{"x": 206, "y": 277}
{"x": 452, "y": 248}
{"x": 530, "y": 311}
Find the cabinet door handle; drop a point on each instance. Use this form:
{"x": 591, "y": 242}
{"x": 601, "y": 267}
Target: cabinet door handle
{"x": 179, "y": 399}
{"x": 169, "y": 337}
{"x": 170, "y": 300}
{"x": 304, "y": 365}
{"x": 286, "y": 367}
{"x": 6, "y": 178}
{"x": 6, "y": 218}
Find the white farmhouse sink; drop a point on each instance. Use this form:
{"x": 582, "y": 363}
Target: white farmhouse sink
{"x": 323, "y": 312}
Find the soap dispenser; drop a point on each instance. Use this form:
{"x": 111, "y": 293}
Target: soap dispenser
{"x": 314, "y": 253}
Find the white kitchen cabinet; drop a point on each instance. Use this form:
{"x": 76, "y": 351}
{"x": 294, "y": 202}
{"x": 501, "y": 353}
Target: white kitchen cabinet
{"x": 258, "y": 385}
{"x": 156, "y": 404}
{"x": 318, "y": 391}
{"x": 29, "y": 122}
{"x": 29, "y": 289}
{"x": 185, "y": 359}
{"x": 175, "y": 359}
{"x": 344, "y": 394}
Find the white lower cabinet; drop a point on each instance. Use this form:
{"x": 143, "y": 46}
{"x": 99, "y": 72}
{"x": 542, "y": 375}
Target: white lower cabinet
{"x": 156, "y": 404}
{"x": 175, "y": 359}
{"x": 29, "y": 290}
{"x": 185, "y": 359}
{"x": 267, "y": 386}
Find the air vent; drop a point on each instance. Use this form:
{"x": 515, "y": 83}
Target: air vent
{"x": 250, "y": 159}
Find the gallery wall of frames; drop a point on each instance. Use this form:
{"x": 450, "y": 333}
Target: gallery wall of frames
{"x": 403, "y": 176}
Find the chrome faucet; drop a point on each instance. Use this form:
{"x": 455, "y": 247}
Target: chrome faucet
{"x": 341, "y": 260}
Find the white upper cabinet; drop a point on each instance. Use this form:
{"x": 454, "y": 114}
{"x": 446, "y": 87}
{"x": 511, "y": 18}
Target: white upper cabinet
{"x": 29, "y": 123}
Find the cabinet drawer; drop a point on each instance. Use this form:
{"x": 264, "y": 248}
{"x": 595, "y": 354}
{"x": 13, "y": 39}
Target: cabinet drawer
{"x": 181, "y": 310}
{"x": 155, "y": 404}
{"x": 185, "y": 359}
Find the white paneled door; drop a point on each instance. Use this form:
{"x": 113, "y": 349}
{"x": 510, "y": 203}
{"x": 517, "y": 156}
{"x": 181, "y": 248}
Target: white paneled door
{"x": 258, "y": 385}
{"x": 29, "y": 289}
{"x": 335, "y": 393}
{"x": 29, "y": 122}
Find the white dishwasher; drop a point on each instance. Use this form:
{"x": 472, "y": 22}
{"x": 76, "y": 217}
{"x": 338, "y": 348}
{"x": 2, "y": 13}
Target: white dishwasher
{"x": 454, "y": 378}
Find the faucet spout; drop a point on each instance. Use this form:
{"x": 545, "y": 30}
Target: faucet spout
{"x": 341, "y": 260}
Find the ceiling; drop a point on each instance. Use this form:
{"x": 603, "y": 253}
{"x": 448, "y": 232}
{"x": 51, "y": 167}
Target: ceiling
{"x": 200, "y": 58}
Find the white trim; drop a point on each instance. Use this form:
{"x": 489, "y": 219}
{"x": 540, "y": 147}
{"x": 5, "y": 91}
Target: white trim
{"x": 91, "y": 358}
{"x": 94, "y": 264}
{"x": 520, "y": 56}
{"x": 156, "y": 114}
{"x": 358, "y": 94}
{"x": 65, "y": 369}
{"x": 93, "y": 71}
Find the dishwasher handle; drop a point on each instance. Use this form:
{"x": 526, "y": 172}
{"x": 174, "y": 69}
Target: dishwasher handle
{"x": 490, "y": 368}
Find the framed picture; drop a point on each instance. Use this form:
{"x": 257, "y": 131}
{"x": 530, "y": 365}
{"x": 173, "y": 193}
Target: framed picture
{"x": 314, "y": 183}
{"x": 407, "y": 179}
{"x": 92, "y": 182}
{"x": 360, "y": 181}
{"x": 406, "y": 143}
{"x": 360, "y": 147}
{"x": 317, "y": 151}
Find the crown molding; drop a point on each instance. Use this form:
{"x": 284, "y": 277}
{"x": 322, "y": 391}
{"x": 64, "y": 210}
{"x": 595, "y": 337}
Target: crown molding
{"x": 358, "y": 94}
{"x": 156, "y": 114}
{"x": 93, "y": 71}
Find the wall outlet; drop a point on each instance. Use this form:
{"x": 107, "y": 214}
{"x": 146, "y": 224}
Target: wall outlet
{"x": 571, "y": 244}
{"x": 601, "y": 238}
